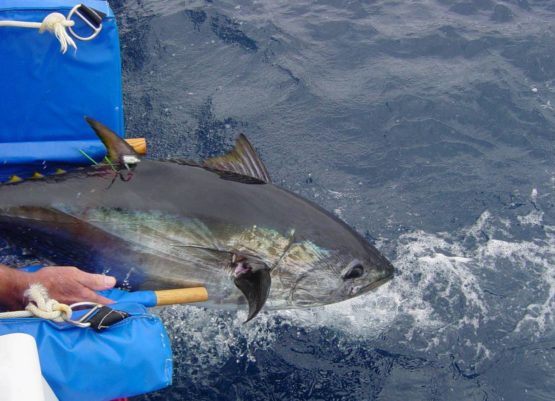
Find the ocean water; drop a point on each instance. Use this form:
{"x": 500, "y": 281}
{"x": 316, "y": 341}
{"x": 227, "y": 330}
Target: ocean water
{"x": 429, "y": 126}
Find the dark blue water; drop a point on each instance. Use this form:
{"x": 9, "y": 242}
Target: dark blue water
{"x": 428, "y": 125}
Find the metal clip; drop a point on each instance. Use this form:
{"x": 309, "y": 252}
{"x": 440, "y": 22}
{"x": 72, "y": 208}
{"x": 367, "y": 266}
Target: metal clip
{"x": 89, "y": 16}
{"x": 80, "y": 322}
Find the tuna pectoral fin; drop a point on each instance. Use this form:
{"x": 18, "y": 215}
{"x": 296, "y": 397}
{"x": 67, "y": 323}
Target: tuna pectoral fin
{"x": 255, "y": 286}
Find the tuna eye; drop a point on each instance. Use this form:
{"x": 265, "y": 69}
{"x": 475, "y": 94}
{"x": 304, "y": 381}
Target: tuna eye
{"x": 354, "y": 272}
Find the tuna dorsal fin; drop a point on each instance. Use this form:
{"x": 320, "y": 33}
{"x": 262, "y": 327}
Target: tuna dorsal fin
{"x": 242, "y": 159}
{"x": 119, "y": 151}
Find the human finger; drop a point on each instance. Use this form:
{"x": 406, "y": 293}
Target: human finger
{"x": 96, "y": 281}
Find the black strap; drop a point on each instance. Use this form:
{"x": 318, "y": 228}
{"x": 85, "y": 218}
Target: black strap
{"x": 94, "y": 16}
{"x": 105, "y": 317}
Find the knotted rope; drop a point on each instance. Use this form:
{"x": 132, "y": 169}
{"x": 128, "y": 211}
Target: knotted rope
{"x": 41, "y": 305}
{"x": 55, "y": 23}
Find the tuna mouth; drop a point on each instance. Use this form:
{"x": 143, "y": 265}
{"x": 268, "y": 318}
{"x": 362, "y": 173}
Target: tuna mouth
{"x": 240, "y": 269}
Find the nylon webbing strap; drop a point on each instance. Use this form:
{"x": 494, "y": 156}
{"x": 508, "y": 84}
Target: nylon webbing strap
{"x": 105, "y": 317}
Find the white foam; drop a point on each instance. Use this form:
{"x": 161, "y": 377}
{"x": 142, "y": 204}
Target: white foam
{"x": 534, "y": 218}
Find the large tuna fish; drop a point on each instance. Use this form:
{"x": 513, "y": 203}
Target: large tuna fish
{"x": 167, "y": 224}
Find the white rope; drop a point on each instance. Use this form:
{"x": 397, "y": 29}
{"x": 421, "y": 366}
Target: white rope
{"x": 41, "y": 305}
{"x": 55, "y": 23}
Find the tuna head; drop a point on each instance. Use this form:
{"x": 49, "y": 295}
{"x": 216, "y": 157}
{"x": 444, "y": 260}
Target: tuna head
{"x": 328, "y": 262}
{"x": 283, "y": 248}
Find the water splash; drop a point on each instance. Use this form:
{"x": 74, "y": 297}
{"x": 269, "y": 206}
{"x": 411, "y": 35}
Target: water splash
{"x": 462, "y": 295}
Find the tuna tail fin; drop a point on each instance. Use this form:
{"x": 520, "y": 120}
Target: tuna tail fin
{"x": 119, "y": 151}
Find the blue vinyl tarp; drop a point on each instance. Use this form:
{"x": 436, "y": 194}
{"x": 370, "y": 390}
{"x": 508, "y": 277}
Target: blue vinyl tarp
{"x": 129, "y": 358}
{"x": 46, "y": 94}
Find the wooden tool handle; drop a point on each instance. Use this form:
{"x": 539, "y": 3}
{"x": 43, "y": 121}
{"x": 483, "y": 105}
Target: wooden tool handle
{"x": 181, "y": 296}
{"x": 139, "y": 144}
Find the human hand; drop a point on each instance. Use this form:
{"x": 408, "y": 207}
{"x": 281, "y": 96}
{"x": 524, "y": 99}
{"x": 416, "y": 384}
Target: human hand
{"x": 65, "y": 284}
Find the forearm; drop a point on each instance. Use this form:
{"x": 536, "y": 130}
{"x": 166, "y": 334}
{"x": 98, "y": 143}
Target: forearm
{"x": 13, "y": 284}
